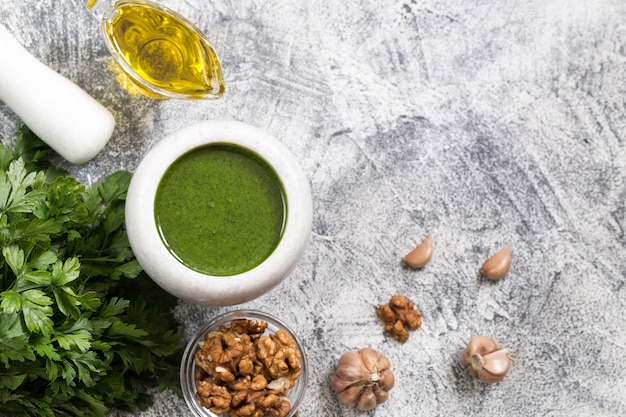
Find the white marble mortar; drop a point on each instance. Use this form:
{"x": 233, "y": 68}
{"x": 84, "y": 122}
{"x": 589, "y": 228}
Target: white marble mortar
{"x": 180, "y": 280}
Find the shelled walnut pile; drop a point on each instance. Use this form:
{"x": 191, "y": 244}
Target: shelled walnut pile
{"x": 399, "y": 315}
{"x": 241, "y": 371}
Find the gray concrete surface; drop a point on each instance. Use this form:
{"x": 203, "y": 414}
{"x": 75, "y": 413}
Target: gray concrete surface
{"x": 485, "y": 122}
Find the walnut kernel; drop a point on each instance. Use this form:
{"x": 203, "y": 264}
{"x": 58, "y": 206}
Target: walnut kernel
{"x": 398, "y": 316}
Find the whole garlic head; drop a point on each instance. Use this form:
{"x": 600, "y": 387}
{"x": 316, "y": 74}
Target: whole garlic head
{"x": 363, "y": 379}
{"x": 485, "y": 360}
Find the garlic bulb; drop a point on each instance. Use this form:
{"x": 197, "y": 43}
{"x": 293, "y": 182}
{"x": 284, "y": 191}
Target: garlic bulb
{"x": 363, "y": 379}
{"x": 497, "y": 266}
{"x": 420, "y": 256}
{"x": 485, "y": 360}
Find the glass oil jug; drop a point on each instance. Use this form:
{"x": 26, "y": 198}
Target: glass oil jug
{"x": 163, "y": 53}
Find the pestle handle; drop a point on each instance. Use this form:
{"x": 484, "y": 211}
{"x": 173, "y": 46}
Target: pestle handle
{"x": 62, "y": 114}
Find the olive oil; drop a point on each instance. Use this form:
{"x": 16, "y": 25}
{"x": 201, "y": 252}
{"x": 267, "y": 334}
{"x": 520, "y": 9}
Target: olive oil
{"x": 161, "y": 51}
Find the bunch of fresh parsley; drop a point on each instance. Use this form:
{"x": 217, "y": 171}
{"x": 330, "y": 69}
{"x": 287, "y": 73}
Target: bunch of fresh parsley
{"x": 82, "y": 328}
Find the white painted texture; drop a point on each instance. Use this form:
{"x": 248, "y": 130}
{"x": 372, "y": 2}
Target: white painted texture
{"x": 485, "y": 122}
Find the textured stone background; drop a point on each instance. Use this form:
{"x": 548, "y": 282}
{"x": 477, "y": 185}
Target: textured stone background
{"x": 485, "y": 122}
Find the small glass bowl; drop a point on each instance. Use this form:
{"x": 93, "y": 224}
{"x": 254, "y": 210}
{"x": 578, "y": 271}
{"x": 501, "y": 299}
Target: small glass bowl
{"x": 188, "y": 366}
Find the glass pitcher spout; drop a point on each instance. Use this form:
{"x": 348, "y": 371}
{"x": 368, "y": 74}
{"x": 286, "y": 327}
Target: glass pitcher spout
{"x": 99, "y": 7}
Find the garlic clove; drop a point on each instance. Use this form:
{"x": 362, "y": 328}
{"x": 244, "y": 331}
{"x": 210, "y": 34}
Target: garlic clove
{"x": 481, "y": 345}
{"x": 383, "y": 362}
{"x": 420, "y": 256}
{"x": 369, "y": 358}
{"x": 489, "y": 378}
{"x": 338, "y": 384}
{"x": 350, "y": 367}
{"x": 498, "y": 264}
{"x": 387, "y": 380}
{"x": 381, "y": 393}
{"x": 350, "y": 395}
{"x": 498, "y": 363}
{"x": 367, "y": 400}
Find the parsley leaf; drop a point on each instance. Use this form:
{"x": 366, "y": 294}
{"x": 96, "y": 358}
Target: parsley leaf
{"x": 82, "y": 328}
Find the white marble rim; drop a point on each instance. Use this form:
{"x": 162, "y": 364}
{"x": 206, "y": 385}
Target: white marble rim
{"x": 171, "y": 274}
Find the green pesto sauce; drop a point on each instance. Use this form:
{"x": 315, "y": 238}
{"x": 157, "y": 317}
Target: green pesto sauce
{"x": 220, "y": 210}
